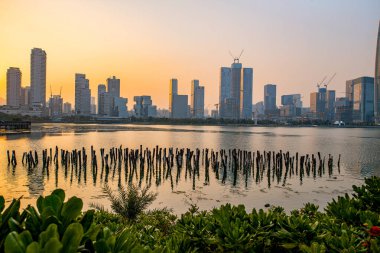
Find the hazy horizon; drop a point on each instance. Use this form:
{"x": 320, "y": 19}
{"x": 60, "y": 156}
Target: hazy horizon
{"x": 293, "y": 44}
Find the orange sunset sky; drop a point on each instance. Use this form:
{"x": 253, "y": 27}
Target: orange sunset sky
{"x": 291, "y": 43}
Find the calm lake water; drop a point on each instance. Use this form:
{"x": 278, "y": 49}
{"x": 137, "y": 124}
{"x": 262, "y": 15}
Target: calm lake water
{"x": 359, "y": 149}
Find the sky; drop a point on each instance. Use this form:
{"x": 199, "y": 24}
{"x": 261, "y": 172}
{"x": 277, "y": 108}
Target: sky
{"x": 290, "y": 43}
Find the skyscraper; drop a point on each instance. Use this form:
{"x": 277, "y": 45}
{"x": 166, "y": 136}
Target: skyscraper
{"x": 13, "y": 87}
{"x": 377, "y": 79}
{"x": 178, "y": 104}
{"x": 144, "y": 107}
{"x": 114, "y": 86}
{"x": 101, "y": 90}
{"x": 25, "y": 96}
{"x": 197, "y": 102}
{"x": 235, "y": 91}
{"x": 236, "y": 78}
{"x": 55, "y": 106}
{"x": 173, "y": 90}
{"x": 270, "y": 107}
{"x": 82, "y": 95}
{"x": 362, "y": 98}
{"x": 38, "y": 77}
{"x": 246, "y": 94}
{"x": 224, "y": 90}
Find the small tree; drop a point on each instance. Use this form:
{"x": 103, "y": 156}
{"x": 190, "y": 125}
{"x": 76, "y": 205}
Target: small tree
{"x": 128, "y": 202}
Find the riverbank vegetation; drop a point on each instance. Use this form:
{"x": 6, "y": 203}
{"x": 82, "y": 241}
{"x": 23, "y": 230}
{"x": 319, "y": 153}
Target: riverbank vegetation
{"x": 349, "y": 223}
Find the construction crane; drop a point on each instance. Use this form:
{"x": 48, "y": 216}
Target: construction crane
{"x": 319, "y": 84}
{"x": 326, "y": 84}
{"x": 236, "y": 59}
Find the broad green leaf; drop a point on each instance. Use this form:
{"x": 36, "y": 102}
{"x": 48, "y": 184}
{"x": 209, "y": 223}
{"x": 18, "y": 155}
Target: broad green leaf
{"x": 49, "y": 233}
{"x": 15, "y": 243}
{"x": 53, "y": 201}
{"x": 34, "y": 247}
{"x": 87, "y": 219}
{"x": 40, "y": 204}
{"x": 71, "y": 209}
{"x": 60, "y": 193}
{"x": 53, "y": 246}
{"x": 72, "y": 238}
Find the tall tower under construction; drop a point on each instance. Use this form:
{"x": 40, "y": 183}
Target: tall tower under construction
{"x": 377, "y": 80}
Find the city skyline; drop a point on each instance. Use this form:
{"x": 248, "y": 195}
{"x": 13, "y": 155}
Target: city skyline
{"x": 281, "y": 43}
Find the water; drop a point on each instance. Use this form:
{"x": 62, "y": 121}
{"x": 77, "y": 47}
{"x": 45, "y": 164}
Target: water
{"x": 359, "y": 149}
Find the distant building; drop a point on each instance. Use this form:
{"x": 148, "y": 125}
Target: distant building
{"x": 360, "y": 92}
{"x": 258, "y": 108}
{"x": 163, "y": 113}
{"x": 246, "y": 94}
{"x": 82, "y": 95}
{"x": 224, "y": 89}
{"x": 235, "y": 91}
{"x": 67, "y": 108}
{"x": 343, "y": 111}
{"x": 13, "y": 87}
{"x": 55, "y": 106}
{"x": 322, "y": 104}
{"x": 110, "y": 104}
{"x": 114, "y": 86}
{"x": 144, "y": 107}
{"x": 25, "y": 96}
{"x": 330, "y": 105}
{"x": 377, "y": 80}
{"x": 38, "y": 77}
{"x": 120, "y": 107}
{"x": 291, "y": 105}
{"x": 101, "y": 107}
{"x": 197, "y": 102}
{"x": 93, "y": 105}
{"x": 178, "y": 104}
{"x": 270, "y": 107}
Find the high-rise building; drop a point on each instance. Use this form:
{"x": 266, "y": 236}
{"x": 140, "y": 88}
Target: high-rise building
{"x": 236, "y": 79}
{"x": 246, "y": 94}
{"x": 113, "y": 85}
{"x": 270, "y": 107}
{"x": 25, "y": 96}
{"x": 13, "y": 87}
{"x": 173, "y": 90}
{"x": 101, "y": 90}
{"x": 361, "y": 98}
{"x": 318, "y": 104}
{"x": 235, "y": 91}
{"x": 144, "y": 107}
{"x": 343, "y": 110}
{"x": 178, "y": 104}
{"x": 120, "y": 108}
{"x": 93, "y": 105}
{"x": 197, "y": 102}
{"x": 377, "y": 79}
{"x": 38, "y": 77}
{"x": 55, "y": 106}
{"x": 82, "y": 95}
{"x": 224, "y": 89}
{"x": 292, "y": 99}
{"x": 67, "y": 108}
{"x": 330, "y": 105}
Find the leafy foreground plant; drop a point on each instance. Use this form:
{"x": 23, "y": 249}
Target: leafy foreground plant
{"x": 128, "y": 202}
{"x": 348, "y": 224}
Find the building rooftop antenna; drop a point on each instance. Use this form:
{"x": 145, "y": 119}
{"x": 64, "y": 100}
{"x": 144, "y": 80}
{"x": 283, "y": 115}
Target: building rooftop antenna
{"x": 236, "y": 59}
